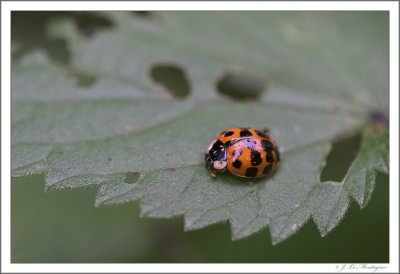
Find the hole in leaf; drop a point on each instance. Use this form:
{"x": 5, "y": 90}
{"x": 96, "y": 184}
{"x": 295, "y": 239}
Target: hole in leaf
{"x": 173, "y": 78}
{"x": 28, "y": 30}
{"x": 241, "y": 87}
{"x": 83, "y": 79}
{"x": 143, "y": 14}
{"x": 89, "y": 23}
{"x": 86, "y": 80}
{"x": 131, "y": 177}
{"x": 340, "y": 158}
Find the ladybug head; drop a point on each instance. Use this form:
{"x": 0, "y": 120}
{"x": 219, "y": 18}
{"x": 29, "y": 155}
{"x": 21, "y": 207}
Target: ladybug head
{"x": 215, "y": 166}
{"x": 216, "y": 157}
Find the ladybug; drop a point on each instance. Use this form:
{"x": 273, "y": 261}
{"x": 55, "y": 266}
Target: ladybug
{"x": 244, "y": 152}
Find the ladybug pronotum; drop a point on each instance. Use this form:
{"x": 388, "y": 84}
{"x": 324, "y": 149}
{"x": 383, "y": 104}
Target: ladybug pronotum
{"x": 244, "y": 152}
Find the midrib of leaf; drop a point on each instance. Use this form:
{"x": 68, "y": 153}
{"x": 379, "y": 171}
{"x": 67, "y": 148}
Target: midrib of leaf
{"x": 193, "y": 108}
{"x": 63, "y": 183}
{"x": 166, "y": 122}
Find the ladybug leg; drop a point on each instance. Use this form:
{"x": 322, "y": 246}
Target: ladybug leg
{"x": 213, "y": 173}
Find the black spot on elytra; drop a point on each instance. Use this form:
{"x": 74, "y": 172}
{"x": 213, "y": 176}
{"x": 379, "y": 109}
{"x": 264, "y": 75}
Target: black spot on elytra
{"x": 237, "y": 164}
{"x": 237, "y": 152}
{"x": 251, "y": 172}
{"x": 270, "y": 158}
{"x": 255, "y": 158}
{"x": 267, "y": 169}
{"x": 261, "y": 133}
{"x": 229, "y": 133}
{"x": 278, "y": 156}
{"x": 267, "y": 146}
{"x": 245, "y": 132}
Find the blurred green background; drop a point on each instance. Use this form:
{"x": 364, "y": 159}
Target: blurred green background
{"x": 65, "y": 227}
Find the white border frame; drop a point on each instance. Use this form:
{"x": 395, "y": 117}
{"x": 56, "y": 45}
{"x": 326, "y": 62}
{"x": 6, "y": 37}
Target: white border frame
{"x": 7, "y": 7}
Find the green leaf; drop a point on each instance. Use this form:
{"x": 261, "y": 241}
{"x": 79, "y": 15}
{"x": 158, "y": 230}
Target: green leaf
{"x": 373, "y": 156}
{"x": 127, "y": 134}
